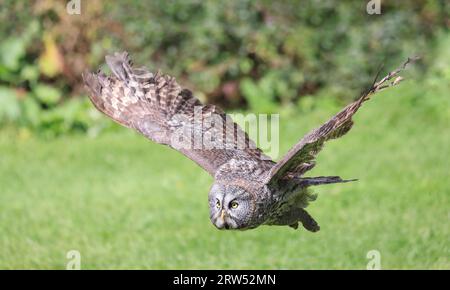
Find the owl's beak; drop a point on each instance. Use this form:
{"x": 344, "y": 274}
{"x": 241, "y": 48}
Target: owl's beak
{"x": 220, "y": 221}
{"x": 222, "y": 215}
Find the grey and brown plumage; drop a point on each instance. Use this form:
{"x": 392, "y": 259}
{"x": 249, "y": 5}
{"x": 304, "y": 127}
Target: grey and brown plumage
{"x": 249, "y": 188}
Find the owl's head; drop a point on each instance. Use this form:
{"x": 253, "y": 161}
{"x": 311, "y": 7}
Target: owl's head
{"x": 230, "y": 206}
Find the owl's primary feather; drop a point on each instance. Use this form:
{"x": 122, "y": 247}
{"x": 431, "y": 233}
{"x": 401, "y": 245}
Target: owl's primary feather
{"x": 249, "y": 189}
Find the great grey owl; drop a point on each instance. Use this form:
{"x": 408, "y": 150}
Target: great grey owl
{"x": 249, "y": 188}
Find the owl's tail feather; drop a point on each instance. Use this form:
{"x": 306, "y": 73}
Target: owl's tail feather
{"x": 311, "y": 181}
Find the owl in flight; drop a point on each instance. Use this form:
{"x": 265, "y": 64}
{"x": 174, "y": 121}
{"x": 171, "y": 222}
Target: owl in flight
{"x": 249, "y": 189}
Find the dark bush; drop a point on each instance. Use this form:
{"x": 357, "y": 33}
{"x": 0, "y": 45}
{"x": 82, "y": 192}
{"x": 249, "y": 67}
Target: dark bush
{"x": 241, "y": 54}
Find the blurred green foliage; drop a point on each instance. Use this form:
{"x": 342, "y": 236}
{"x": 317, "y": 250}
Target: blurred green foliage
{"x": 258, "y": 55}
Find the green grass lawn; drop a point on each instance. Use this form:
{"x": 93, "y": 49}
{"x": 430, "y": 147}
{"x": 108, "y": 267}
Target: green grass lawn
{"x": 124, "y": 202}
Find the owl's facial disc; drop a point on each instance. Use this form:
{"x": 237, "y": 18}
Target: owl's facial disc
{"x": 230, "y": 206}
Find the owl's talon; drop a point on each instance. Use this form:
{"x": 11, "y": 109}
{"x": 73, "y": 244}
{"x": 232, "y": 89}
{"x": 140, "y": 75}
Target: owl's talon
{"x": 294, "y": 225}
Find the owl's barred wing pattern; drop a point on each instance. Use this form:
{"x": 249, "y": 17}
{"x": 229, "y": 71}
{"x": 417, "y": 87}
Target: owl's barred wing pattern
{"x": 300, "y": 158}
{"x": 157, "y": 107}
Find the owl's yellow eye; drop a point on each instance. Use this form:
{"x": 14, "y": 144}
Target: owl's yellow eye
{"x": 218, "y": 204}
{"x": 234, "y": 204}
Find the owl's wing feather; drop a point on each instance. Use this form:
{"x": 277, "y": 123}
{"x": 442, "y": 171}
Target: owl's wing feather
{"x": 157, "y": 107}
{"x": 300, "y": 158}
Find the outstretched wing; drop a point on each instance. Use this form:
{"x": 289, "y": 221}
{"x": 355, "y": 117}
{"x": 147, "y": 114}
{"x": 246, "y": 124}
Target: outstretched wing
{"x": 157, "y": 107}
{"x": 300, "y": 158}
